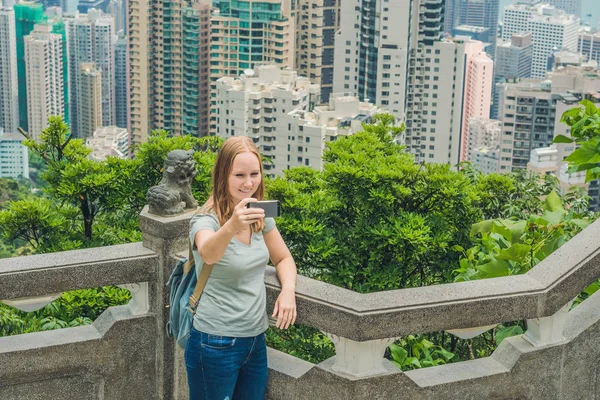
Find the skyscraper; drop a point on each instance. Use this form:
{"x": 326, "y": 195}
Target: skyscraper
{"x": 91, "y": 39}
{"x": 588, "y": 44}
{"x": 45, "y": 83}
{"x": 121, "y": 84}
{"x": 9, "y": 94}
{"x": 480, "y": 13}
{"x": 479, "y": 73}
{"x": 258, "y": 105}
{"x": 550, "y": 29}
{"x": 55, "y": 19}
{"x": 27, "y": 14}
{"x": 371, "y": 63}
{"x": 513, "y": 60}
{"x": 89, "y": 99}
{"x": 115, "y": 8}
{"x": 264, "y": 35}
{"x": 160, "y": 39}
{"x": 316, "y": 24}
{"x": 569, "y": 6}
{"x": 196, "y": 73}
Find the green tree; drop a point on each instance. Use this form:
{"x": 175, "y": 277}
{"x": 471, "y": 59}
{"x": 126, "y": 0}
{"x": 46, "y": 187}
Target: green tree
{"x": 373, "y": 219}
{"x": 11, "y": 189}
{"x": 94, "y": 203}
{"x": 74, "y": 179}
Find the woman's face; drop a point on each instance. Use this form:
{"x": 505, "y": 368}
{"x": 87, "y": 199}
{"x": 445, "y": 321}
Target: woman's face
{"x": 245, "y": 177}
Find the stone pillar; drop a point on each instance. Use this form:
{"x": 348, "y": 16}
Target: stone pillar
{"x": 166, "y": 236}
{"x": 548, "y": 330}
{"x": 360, "y": 359}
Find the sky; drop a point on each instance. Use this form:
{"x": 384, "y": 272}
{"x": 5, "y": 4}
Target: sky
{"x": 587, "y": 7}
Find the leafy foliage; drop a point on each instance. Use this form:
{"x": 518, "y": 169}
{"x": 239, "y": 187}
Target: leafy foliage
{"x": 74, "y": 308}
{"x": 304, "y": 342}
{"x": 92, "y": 203}
{"x": 412, "y": 353}
{"x": 507, "y": 247}
{"x": 372, "y": 219}
{"x": 584, "y": 122}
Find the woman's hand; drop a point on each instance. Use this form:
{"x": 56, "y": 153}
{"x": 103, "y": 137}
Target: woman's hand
{"x": 285, "y": 308}
{"x": 243, "y": 216}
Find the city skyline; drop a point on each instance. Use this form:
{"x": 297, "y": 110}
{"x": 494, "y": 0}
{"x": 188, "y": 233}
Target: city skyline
{"x": 166, "y": 74}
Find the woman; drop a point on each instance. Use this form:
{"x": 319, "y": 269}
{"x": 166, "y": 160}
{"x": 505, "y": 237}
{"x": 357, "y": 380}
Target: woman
{"x": 226, "y": 355}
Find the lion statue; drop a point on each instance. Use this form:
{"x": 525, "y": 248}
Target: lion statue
{"x": 173, "y": 194}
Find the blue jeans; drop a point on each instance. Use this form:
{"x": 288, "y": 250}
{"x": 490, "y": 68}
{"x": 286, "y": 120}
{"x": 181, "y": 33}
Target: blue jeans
{"x": 225, "y": 367}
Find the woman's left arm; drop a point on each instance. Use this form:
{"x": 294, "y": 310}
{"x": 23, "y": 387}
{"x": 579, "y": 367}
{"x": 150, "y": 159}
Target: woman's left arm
{"x": 285, "y": 306}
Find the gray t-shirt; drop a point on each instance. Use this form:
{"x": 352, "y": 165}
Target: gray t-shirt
{"x": 234, "y": 300}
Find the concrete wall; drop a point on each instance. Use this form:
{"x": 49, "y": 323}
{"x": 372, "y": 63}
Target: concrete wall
{"x": 125, "y": 355}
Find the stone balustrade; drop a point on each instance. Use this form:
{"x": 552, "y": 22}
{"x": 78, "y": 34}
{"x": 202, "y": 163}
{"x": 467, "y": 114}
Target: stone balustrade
{"x": 125, "y": 354}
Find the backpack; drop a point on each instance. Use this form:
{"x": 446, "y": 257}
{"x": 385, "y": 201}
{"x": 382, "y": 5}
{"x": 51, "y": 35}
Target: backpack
{"x": 185, "y": 291}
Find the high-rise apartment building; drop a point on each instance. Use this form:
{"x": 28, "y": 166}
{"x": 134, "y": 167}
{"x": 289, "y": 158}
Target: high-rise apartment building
{"x": 569, "y": 6}
{"x": 513, "y": 60}
{"x": 453, "y": 84}
{"x": 316, "y": 24}
{"x": 164, "y": 39}
{"x": 530, "y": 113}
{"x": 91, "y": 39}
{"x": 116, "y": 9}
{"x": 45, "y": 82}
{"x": 373, "y": 44}
{"x": 54, "y": 18}
{"x": 476, "y": 13}
{"x": 479, "y": 73}
{"x": 121, "y": 84}
{"x": 196, "y": 70}
{"x": 588, "y": 44}
{"x": 550, "y": 29}
{"x": 249, "y": 33}
{"x": 528, "y": 121}
{"x": 258, "y": 105}
{"x": 14, "y": 157}
{"x": 89, "y": 100}
{"x": 9, "y": 90}
{"x": 514, "y": 57}
{"x": 27, "y": 14}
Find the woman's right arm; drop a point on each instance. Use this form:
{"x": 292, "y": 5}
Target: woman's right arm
{"x": 212, "y": 245}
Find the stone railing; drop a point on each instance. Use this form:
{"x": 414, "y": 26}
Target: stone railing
{"x": 125, "y": 355}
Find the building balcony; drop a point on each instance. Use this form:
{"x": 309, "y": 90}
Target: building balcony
{"x": 125, "y": 353}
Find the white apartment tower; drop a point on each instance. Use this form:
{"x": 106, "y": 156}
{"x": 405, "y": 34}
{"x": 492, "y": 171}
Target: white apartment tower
{"x": 372, "y": 49}
{"x": 14, "y": 162}
{"x": 550, "y": 29}
{"x": 9, "y": 95}
{"x": 45, "y": 82}
{"x": 450, "y": 87}
{"x": 91, "y": 39}
{"x": 258, "y": 105}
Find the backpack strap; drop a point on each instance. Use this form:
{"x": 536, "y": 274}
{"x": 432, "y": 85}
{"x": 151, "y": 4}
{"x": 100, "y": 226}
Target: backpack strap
{"x": 202, "y": 279}
{"x": 200, "y": 284}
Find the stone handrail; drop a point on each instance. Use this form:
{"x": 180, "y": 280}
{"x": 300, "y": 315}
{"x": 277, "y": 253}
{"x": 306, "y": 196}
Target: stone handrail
{"x": 77, "y": 269}
{"x": 539, "y": 293}
{"x": 361, "y": 325}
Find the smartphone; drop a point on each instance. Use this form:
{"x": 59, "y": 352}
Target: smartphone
{"x": 272, "y": 207}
